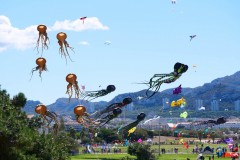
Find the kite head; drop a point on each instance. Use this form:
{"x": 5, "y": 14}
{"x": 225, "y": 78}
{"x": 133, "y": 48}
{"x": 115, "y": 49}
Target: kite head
{"x": 221, "y": 120}
{"x": 79, "y": 110}
{"x": 41, "y": 109}
{"x": 180, "y": 68}
{"x": 111, "y": 88}
{"x": 141, "y": 116}
{"x": 127, "y": 101}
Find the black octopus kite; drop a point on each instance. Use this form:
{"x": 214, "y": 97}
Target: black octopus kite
{"x": 112, "y": 106}
{"x": 126, "y": 128}
{"x": 95, "y": 94}
{"x": 158, "y": 79}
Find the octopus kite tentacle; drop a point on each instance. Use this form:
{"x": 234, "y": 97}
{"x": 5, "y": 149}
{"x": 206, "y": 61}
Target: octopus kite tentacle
{"x": 42, "y": 37}
{"x": 109, "y": 117}
{"x": 111, "y": 107}
{"x": 90, "y": 95}
{"x": 208, "y": 123}
{"x": 65, "y": 45}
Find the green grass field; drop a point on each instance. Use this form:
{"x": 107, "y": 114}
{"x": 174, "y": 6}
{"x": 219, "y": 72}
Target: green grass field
{"x": 181, "y": 148}
{"x": 182, "y": 155}
{"x": 100, "y": 157}
{"x": 121, "y": 156}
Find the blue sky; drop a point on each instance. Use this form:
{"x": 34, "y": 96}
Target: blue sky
{"x": 146, "y": 38}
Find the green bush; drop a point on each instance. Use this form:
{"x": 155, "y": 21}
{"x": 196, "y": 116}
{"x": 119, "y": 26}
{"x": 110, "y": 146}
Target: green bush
{"x": 141, "y": 151}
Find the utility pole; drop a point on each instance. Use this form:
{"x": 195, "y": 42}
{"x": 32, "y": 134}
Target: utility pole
{"x": 159, "y": 138}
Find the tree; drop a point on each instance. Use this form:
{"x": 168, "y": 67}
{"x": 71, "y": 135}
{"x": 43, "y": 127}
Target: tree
{"x": 213, "y": 136}
{"x": 72, "y": 132}
{"x": 141, "y": 151}
{"x": 108, "y": 135}
{"x": 150, "y": 133}
{"x": 82, "y": 133}
{"x": 19, "y": 100}
{"x": 199, "y": 134}
{"x": 139, "y": 133}
{"x": 62, "y": 125}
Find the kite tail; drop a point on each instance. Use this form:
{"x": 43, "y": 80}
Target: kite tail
{"x": 96, "y": 114}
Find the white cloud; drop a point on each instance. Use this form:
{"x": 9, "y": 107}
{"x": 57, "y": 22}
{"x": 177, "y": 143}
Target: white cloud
{"x": 92, "y": 23}
{"x": 12, "y": 37}
{"x": 2, "y": 49}
{"x": 84, "y": 43}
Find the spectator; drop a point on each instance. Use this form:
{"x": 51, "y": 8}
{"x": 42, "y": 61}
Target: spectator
{"x": 213, "y": 157}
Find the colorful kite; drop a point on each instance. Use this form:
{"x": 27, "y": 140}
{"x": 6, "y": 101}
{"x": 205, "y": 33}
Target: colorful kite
{"x": 72, "y": 84}
{"x": 42, "y": 110}
{"x": 180, "y": 102}
{"x": 82, "y": 19}
{"x": 83, "y": 118}
{"x": 131, "y": 130}
{"x": 184, "y": 115}
{"x": 63, "y": 45}
{"x": 177, "y": 90}
{"x": 41, "y": 66}
{"x": 42, "y": 37}
{"x": 155, "y": 84}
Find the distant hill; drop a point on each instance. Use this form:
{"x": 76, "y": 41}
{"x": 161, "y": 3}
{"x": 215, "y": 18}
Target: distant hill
{"x": 30, "y": 106}
{"x": 226, "y": 90}
{"x": 63, "y": 106}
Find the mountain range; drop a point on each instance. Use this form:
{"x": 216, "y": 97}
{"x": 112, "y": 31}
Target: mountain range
{"x": 225, "y": 91}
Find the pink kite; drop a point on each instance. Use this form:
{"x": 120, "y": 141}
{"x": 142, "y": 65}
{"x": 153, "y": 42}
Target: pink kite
{"x": 83, "y": 18}
{"x": 83, "y": 87}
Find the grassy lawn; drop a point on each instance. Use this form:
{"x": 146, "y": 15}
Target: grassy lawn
{"x": 185, "y": 156}
{"x": 183, "y": 153}
{"x": 181, "y": 148}
{"x": 100, "y": 157}
{"x": 121, "y": 156}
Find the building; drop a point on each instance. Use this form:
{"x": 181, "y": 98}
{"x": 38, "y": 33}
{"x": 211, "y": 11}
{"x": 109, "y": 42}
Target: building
{"x": 237, "y": 105}
{"x": 214, "y": 105}
{"x": 198, "y": 104}
{"x": 166, "y": 103}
